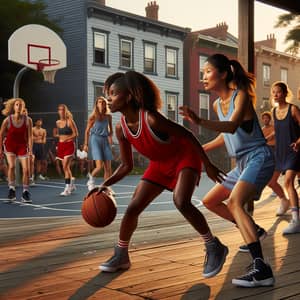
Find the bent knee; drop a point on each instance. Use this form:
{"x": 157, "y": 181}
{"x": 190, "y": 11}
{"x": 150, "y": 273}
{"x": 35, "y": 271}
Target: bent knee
{"x": 181, "y": 205}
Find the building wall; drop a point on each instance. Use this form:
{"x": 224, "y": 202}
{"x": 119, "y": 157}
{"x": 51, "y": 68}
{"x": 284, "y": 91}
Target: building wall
{"x": 276, "y": 62}
{"x": 70, "y": 83}
{"x": 98, "y": 74}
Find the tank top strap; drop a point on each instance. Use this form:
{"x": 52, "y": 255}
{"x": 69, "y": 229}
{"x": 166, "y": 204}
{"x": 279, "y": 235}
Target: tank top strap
{"x": 232, "y": 99}
{"x": 124, "y": 126}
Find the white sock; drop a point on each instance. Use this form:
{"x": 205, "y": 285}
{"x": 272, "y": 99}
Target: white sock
{"x": 295, "y": 214}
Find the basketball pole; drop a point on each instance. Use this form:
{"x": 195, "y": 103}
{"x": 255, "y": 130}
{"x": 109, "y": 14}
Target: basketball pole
{"x": 16, "y": 93}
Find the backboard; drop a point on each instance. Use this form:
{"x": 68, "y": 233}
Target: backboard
{"x": 37, "y": 47}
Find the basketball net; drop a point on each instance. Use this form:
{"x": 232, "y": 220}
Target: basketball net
{"x": 49, "y": 75}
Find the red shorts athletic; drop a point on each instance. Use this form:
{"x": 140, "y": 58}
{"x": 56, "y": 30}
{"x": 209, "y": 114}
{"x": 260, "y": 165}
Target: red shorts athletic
{"x": 165, "y": 173}
{"x": 65, "y": 149}
{"x": 18, "y": 150}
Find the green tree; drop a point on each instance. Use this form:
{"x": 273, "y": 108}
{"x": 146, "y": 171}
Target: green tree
{"x": 291, "y": 21}
{"x": 14, "y": 14}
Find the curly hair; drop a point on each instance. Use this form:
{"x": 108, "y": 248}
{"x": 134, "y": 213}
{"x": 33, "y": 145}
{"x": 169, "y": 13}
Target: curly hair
{"x": 9, "y": 106}
{"x": 145, "y": 94}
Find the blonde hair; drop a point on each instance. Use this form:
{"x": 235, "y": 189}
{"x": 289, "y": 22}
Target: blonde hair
{"x": 285, "y": 89}
{"x": 9, "y": 106}
{"x": 68, "y": 114}
{"x": 96, "y": 113}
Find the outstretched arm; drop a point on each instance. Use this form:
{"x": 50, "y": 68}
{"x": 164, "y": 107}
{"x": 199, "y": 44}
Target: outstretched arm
{"x": 160, "y": 124}
{"x": 215, "y": 143}
{"x": 241, "y": 105}
{"x": 296, "y": 117}
{"x": 125, "y": 156}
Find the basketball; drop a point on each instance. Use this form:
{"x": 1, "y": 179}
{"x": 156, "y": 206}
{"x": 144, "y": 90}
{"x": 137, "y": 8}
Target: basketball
{"x": 99, "y": 208}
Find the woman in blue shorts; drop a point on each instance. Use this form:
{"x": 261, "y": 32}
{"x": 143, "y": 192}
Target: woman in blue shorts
{"x": 98, "y": 139}
{"x": 241, "y": 133}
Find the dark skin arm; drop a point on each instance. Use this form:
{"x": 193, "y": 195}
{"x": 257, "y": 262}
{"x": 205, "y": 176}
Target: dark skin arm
{"x": 296, "y": 116}
{"x": 242, "y": 112}
{"x": 126, "y": 159}
{"x": 159, "y": 123}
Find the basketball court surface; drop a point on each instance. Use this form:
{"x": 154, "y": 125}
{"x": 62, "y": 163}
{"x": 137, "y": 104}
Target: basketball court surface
{"x": 48, "y": 203}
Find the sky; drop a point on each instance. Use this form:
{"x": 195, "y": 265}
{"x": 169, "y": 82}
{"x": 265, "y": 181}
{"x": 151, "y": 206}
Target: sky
{"x": 200, "y": 14}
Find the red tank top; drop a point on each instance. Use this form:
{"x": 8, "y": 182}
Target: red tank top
{"x": 17, "y": 135}
{"x": 148, "y": 144}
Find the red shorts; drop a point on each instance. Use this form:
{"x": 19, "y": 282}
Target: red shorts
{"x": 18, "y": 150}
{"x": 166, "y": 172}
{"x": 65, "y": 149}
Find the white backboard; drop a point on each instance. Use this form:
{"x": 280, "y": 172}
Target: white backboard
{"x": 36, "y": 45}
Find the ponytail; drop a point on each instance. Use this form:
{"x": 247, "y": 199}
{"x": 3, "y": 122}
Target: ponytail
{"x": 236, "y": 74}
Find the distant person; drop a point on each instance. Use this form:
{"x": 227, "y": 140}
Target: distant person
{"x": 52, "y": 157}
{"x": 287, "y": 153}
{"x": 3, "y": 168}
{"x": 98, "y": 139}
{"x": 16, "y": 136}
{"x": 81, "y": 156}
{"x": 66, "y": 132}
{"x": 269, "y": 134}
{"x": 38, "y": 149}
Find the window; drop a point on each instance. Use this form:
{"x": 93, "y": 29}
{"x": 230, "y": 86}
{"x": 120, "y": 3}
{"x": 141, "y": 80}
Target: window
{"x": 171, "y": 62}
{"x": 204, "y": 106}
{"x": 149, "y": 58}
{"x": 266, "y": 74}
{"x": 126, "y": 53}
{"x": 202, "y": 60}
{"x": 172, "y": 105}
{"x": 100, "y": 48}
{"x": 98, "y": 90}
{"x": 284, "y": 75}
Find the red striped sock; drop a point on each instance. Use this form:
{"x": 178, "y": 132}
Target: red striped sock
{"x": 207, "y": 237}
{"x": 123, "y": 244}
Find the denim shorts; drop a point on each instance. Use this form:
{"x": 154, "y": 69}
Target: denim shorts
{"x": 255, "y": 167}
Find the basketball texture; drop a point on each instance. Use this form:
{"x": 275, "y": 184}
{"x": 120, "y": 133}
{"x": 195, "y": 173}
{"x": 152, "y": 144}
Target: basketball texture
{"x": 99, "y": 208}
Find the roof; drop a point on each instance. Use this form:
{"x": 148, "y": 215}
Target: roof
{"x": 143, "y": 23}
{"x": 278, "y": 53}
{"x": 290, "y": 5}
{"x": 230, "y": 42}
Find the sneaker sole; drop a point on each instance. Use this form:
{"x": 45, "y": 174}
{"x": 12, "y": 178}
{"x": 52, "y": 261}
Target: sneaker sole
{"x": 26, "y": 201}
{"x": 10, "y": 200}
{"x": 244, "y": 250}
{"x": 244, "y": 283}
{"x": 217, "y": 270}
{"x": 116, "y": 269}
{"x": 294, "y": 232}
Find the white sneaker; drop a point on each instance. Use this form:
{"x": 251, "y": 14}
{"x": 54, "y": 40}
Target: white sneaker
{"x": 42, "y": 177}
{"x": 294, "y": 227}
{"x": 66, "y": 192}
{"x": 283, "y": 208}
{"x": 73, "y": 188}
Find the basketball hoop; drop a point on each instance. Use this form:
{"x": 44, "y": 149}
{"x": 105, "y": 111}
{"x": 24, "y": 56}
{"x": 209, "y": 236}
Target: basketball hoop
{"x": 49, "y": 75}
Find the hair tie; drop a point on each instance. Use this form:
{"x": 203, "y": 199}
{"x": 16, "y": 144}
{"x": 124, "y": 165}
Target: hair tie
{"x": 231, "y": 68}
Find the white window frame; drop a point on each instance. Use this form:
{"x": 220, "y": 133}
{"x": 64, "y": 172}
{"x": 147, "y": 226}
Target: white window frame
{"x": 131, "y": 53}
{"x": 266, "y": 72}
{"x": 175, "y": 52}
{"x": 105, "y": 35}
{"x": 153, "y": 46}
{"x": 203, "y": 96}
{"x": 285, "y": 72}
{"x": 96, "y": 86}
{"x": 175, "y": 105}
{"x": 202, "y": 60}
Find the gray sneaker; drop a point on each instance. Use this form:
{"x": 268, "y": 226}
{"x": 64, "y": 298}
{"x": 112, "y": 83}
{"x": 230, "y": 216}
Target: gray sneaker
{"x": 215, "y": 257}
{"x": 119, "y": 261}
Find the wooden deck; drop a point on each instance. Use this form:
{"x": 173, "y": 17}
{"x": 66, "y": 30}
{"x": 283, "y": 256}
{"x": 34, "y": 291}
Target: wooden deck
{"x": 58, "y": 259}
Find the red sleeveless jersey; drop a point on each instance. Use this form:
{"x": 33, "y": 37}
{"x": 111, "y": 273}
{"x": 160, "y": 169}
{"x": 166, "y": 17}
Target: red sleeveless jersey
{"x": 167, "y": 158}
{"x": 16, "y": 138}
